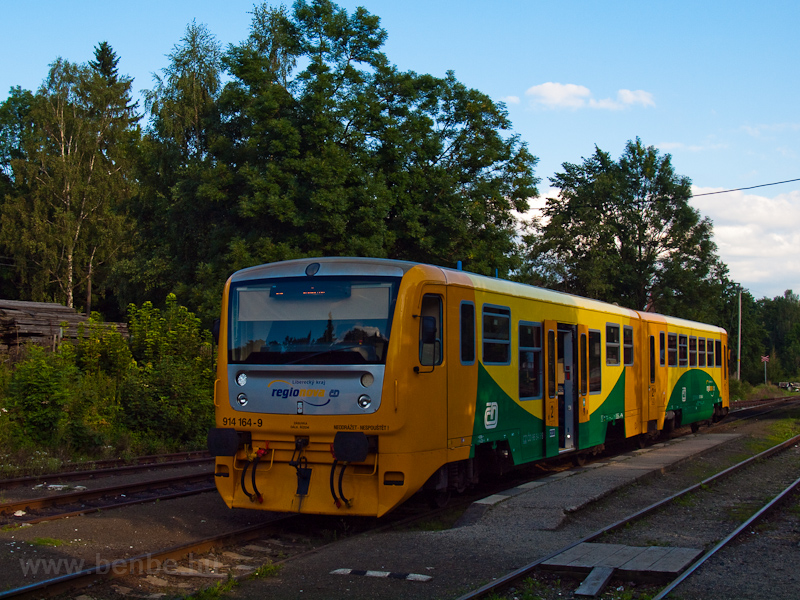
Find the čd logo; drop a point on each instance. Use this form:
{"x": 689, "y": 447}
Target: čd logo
{"x": 490, "y": 415}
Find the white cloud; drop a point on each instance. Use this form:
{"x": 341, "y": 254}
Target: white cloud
{"x": 773, "y": 128}
{"x": 559, "y": 95}
{"x": 510, "y": 99}
{"x": 569, "y": 95}
{"x": 629, "y": 97}
{"x": 758, "y": 237}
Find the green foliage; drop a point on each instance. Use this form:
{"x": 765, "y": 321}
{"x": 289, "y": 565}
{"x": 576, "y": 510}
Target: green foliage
{"x": 344, "y": 157}
{"x": 623, "y": 231}
{"x": 102, "y": 349}
{"x": 39, "y": 393}
{"x": 739, "y": 390}
{"x": 70, "y": 169}
{"x": 168, "y": 393}
{"x": 95, "y": 396}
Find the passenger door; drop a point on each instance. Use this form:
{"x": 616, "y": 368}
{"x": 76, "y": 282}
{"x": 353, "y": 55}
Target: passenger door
{"x": 656, "y": 371}
{"x": 462, "y": 366}
{"x": 550, "y": 388}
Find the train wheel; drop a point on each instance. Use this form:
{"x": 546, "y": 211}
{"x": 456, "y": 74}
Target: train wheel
{"x": 437, "y": 498}
{"x": 579, "y": 460}
{"x": 695, "y": 427}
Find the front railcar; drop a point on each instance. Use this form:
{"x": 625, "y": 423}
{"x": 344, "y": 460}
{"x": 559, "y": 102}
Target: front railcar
{"x": 301, "y": 396}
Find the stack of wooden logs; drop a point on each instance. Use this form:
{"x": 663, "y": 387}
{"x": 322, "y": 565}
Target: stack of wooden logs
{"x": 41, "y": 323}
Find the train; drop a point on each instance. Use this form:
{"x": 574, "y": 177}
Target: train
{"x": 345, "y": 386}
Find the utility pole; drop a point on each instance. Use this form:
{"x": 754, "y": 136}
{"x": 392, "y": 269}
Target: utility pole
{"x": 739, "y": 350}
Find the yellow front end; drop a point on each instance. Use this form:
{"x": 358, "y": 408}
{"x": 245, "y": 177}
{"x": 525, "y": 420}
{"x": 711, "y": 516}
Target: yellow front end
{"x": 290, "y": 457}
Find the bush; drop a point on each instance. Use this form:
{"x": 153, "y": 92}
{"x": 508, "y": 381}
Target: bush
{"x": 739, "y": 390}
{"x": 102, "y": 349}
{"x": 147, "y": 395}
{"x": 39, "y": 392}
{"x": 168, "y": 393}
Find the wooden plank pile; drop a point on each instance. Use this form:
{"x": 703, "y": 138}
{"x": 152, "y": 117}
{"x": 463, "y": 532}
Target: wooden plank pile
{"x": 41, "y": 323}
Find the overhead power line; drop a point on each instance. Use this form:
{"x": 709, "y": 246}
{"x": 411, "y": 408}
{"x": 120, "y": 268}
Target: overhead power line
{"x": 752, "y": 187}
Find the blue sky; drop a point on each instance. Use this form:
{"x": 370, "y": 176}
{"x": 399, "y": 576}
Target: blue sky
{"x": 716, "y": 84}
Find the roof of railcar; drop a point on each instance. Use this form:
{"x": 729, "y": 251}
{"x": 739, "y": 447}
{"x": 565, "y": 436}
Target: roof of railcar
{"x": 369, "y": 266}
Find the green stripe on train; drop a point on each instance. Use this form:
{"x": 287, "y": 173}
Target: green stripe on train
{"x": 499, "y": 418}
{"x": 593, "y": 432}
{"x": 695, "y": 395}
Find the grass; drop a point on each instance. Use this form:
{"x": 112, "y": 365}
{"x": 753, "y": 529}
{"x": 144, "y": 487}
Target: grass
{"x": 266, "y": 570}
{"x": 214, "y": 592}
{"x": 46, "y": 541}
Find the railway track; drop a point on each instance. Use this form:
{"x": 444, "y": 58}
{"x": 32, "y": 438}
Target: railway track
{"x": 154, "y": 562}
{"x": 47, "y": 508}
{"x": 514, "y": 578}
{"x": 111, "y": 468}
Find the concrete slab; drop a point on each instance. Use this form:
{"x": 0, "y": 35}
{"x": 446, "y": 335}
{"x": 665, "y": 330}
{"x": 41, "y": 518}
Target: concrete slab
{"x": 650, "y": 563}
{"x": 596, "y": 582}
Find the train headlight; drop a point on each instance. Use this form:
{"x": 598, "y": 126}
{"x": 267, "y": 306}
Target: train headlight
{"x": 241, "y": 399}
{"x": 241, "y": 379}
{"x": 364, "y": 401}
{"x": 367, "y": 379}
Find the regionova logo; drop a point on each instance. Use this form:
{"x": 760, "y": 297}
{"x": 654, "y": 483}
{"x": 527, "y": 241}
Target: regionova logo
{"x": 281, "y": 388}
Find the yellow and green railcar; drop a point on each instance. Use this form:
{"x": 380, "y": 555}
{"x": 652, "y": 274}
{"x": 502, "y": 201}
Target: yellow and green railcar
{"x": 346, "y": 385}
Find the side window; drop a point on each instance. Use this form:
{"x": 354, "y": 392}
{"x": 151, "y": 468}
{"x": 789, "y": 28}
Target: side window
{"x": 612, "y": 344}
{"x": 662, "y": 349}
{"x": 692, "y": 351}
{"x": 595, "y": 365}
{"x": 701, "y": 352}
{"x": 718, "y": 352}
{"x": 530, "y": 360}
{"x": 467, "y": 333}
{"x": 683, "y": 354}
{"x": 430, "y": 340}
{"x": 496, "y": 335}
{"x": 652, "y": 359}
{"x": 672, "y": 349}
{"x": 710, "y": 353}
{"x": 627, "y": 345}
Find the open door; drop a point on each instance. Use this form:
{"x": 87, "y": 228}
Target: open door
{"x": 656, "y": 376}
{"x": 567, "y": 388}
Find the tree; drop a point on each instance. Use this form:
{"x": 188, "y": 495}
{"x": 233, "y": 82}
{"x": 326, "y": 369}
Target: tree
{"x": 781, "y": 318}
{"x": 184, "y": 98}
{"x": 15, "y": 126}
{"x": 106, "y": 62}
{"x": 171, "y": 208}
{"x": 625, "y": 232}
{"x": 318, "y": 146}
{"x": 62, "y": 220}
{"x": 351, "y": 156}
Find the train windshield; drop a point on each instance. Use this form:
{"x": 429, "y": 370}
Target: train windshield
{"x": 311, "y": 321}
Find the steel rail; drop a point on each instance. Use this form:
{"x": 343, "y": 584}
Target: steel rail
{"x": 509, "y": 578}
{"x": 84, "y": 495}
{"x": 104, "y": 472}
{"x": 94, "y": 509}
{"x": 758, "y": 515}
{"x": 137, "y": 564}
